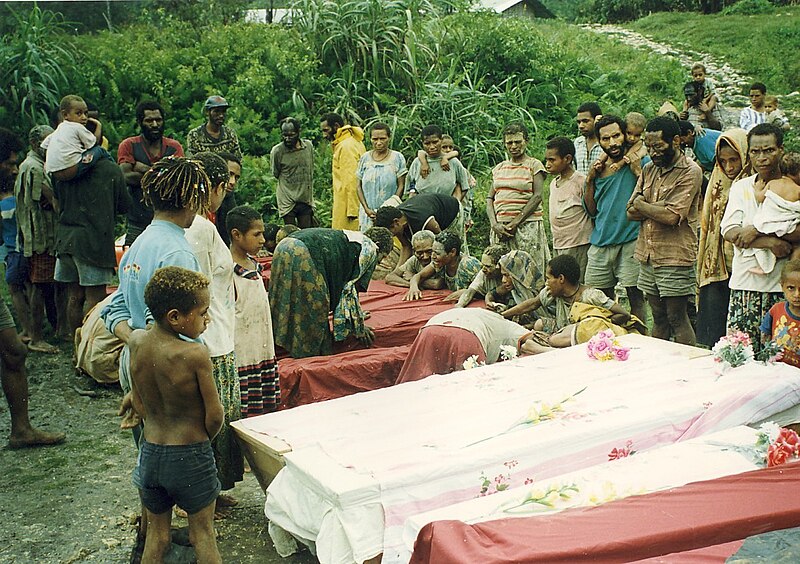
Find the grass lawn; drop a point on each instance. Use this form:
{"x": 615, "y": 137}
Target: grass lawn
{"x": 763, "y": 46}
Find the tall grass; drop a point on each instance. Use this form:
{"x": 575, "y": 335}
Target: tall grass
{"x": 37, "y": 59}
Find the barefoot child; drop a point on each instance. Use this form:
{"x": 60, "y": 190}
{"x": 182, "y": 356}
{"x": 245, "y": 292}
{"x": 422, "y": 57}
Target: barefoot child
{"x": 782, "y": 323}
{"x": 254, "y": 344}
{"x": 72, "y": 149}
{"x": 174, "y": 393}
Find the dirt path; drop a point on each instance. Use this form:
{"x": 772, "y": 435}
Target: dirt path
{"x": 729, "y": 82}
{"x": 75, "y": 502}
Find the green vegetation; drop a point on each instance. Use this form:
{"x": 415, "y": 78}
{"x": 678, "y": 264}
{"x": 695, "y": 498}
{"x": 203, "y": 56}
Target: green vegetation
{"x": 763, "y": 46}
{"x": 405, "y": 62}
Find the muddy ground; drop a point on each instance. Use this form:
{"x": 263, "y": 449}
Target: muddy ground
{"x": 75, "y": 502}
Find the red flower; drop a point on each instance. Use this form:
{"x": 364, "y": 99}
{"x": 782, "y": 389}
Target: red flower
{"x": 790, "y": 439}
{"x": 778, "y": 453}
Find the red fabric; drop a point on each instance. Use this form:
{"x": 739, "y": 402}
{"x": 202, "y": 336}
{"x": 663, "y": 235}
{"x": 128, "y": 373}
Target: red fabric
{"x": 308, "y": 380}
{"x": 439, "y": 350}
{"x": 702, "y": 514}
{"x": 352, "y": 368}
{"x": 266, "y": 266}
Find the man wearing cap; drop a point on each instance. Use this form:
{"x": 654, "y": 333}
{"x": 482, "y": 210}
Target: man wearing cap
{"x": 213, "y": 135}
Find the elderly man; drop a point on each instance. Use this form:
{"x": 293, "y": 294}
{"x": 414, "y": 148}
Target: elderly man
{"x": 135, "y": 157}
{"x": 292, "y": 163}
{"x": 422, "y": 243}
{"x": 348, "y": 146}
{"x": 12, "y": 351}
{"x": 665, "y": 201}
{"x": 36, "y": 221}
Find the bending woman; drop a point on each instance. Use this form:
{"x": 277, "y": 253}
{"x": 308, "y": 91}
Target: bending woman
{"x": 314, "y": 272}
{"x": 451, "y": 337}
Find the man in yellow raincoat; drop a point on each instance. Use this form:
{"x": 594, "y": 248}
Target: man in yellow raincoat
{"x": 348, "y": 146}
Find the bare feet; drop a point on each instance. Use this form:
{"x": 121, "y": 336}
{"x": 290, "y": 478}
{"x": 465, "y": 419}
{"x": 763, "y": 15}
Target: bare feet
{"x": 24, "y": 338}
{"x": 34, "y": 438}
{"x": 224, "y": 500}
{"x": 219, "y": 513}
{"x": 42, "y": 347}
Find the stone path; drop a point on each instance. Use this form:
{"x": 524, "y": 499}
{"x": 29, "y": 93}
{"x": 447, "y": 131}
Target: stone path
{"x": 729, "y": 82}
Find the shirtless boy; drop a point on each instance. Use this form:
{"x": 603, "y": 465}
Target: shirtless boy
{"x": 175, "y": 394}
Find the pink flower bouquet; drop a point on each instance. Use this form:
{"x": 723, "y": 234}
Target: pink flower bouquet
{"x": 605, "y": 346}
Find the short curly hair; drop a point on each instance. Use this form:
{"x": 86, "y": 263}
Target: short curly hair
{"x": 173, "y": 287}
{"x": 382, "y": 237}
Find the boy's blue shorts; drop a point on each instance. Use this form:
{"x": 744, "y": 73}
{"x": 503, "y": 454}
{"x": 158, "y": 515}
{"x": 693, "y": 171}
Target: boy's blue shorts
{"x": 182, "y": 475}
{"x": 17, "y": 268}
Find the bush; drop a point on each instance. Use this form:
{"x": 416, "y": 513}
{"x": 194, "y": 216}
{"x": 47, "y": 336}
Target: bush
{"x": 249, "y": 64}
{"x": 749, "y": 8}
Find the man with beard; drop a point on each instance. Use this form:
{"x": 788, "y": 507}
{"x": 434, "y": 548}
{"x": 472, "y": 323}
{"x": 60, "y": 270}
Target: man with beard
{"x": 293, "y": 165}
{"x": 587, "y": 148}
{"x": 135, "y": 157}
{"x": 613, "y": 240}
{"x": 666, "y": 200}
{"x": 12, "y": 351}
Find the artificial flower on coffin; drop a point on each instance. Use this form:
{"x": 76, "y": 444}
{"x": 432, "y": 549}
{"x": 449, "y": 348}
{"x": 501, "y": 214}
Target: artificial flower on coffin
{"x": 605, "y": 346}
{"x": 733, "y": 349}
{"x": 777, "y": 445}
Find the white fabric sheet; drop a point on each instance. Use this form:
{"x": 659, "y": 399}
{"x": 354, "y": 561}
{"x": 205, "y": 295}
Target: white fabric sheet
{"x": 423, "y": 445}
{"x": 712, "y": 456}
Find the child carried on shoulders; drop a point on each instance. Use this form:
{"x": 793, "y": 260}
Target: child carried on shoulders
{"x": 72, "y": 149}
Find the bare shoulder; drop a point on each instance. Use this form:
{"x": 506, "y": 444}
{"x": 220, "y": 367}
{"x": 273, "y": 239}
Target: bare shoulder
{"x": 785, "y": 188}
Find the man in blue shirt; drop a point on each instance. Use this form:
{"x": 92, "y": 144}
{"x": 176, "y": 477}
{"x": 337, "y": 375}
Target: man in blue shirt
{"x": 703, "y": 145}
{"x": 613, "y": 239}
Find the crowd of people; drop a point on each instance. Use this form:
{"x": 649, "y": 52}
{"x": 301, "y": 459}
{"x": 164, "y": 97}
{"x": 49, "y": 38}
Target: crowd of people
{"x": 696, "y": 225}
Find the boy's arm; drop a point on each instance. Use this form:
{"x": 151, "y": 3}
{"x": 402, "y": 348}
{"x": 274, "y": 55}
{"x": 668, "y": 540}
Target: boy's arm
{"x": 214, "y": 416}
{"x": 98, "y": 130}
{"x": 766, "y": 327}
{"x": 526, "y": 306}
{"x": 444, "y": 162}
{"x": 424, "y": 167}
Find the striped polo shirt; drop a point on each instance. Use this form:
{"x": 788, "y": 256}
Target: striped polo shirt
{"x": 513, "y": 188}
